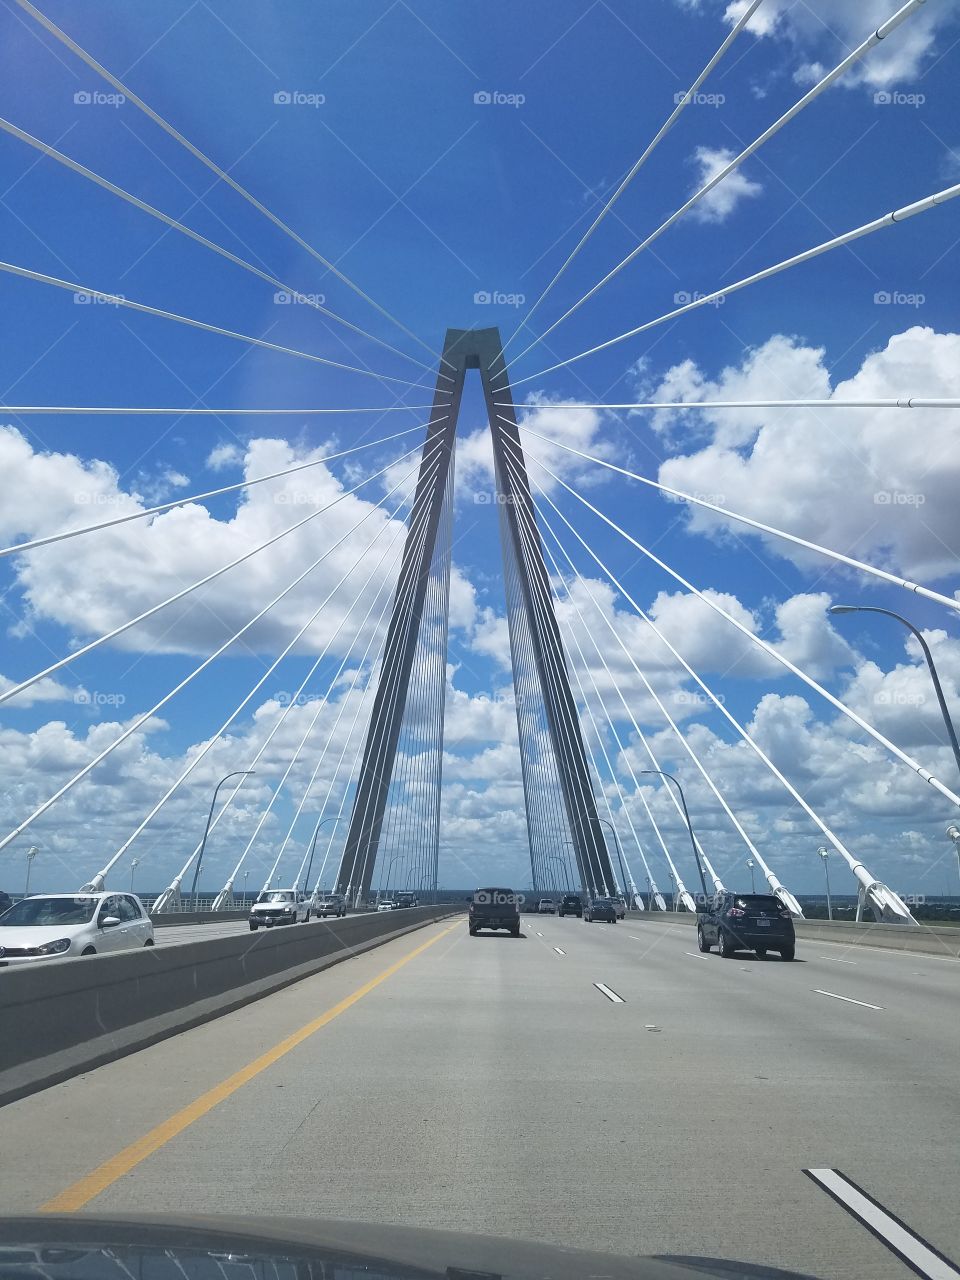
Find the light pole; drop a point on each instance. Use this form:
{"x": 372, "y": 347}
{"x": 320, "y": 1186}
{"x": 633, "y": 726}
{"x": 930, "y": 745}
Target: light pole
{"x": 753, "y": 885}
{"x": 556, "y": 857}
{"x": 938, "y": 688}
{"x": 245, "y": 874}
{"x": 954, "y": 833}
{"x": 237, "y": 773}
{"x": 313, "y": 847}
{"x": 824, "y": 854}
{"x": 616, "y": 839}
{"x": 135, "y": 862}
{"x": 31, "y": 854}
{"x": 686, "y": 814}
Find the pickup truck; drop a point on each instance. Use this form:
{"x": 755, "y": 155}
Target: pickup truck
{"x": 494, "y": 909}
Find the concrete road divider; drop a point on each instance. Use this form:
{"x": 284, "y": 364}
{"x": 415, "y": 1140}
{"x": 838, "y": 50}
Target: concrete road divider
{"x": 62, "y": 1017}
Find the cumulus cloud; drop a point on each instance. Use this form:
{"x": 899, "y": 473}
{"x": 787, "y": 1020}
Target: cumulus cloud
{"x": 717, "y": 205}
{"x": 864, "y": 482}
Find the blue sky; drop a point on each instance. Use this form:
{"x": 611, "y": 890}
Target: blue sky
{"x": 427, "y": 198}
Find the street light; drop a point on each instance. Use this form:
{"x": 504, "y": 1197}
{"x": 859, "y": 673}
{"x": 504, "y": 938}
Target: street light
{"x": 245, "y": 874}
{"x": 751, "y": 864}
{"x": 616, "y": 838}
{"x": 686, "y": 814}
{"x": 134, "y": 863}
{"x": 556, "y": 857}
{"x": 954, "y": 833}
{"x": 938, "y": 689}
{"x": 206, "y": 831}
{"x": 313, "y": 847}
{"x": 824, "y": 854}
{"x": 31, "y": 854}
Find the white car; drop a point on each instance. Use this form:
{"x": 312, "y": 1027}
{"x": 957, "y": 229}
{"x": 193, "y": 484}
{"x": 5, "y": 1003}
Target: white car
{"x": 59, "y": 926}
{"x": 545, "y": 907}
{"x": 279, "y": 906}
{"x": 386, "y": 905}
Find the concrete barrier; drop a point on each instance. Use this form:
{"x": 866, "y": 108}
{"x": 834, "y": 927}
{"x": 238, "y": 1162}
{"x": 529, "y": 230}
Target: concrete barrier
{"x": 61, "y": 1017}
{"x": 930, "y": 939}
{"x": 167, "y": 918}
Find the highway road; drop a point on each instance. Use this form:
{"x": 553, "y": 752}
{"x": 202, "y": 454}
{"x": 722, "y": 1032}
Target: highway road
{"x": 592, "y": 1085}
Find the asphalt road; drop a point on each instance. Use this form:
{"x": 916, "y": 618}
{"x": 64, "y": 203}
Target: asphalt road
{"x": 490, "y": 1084}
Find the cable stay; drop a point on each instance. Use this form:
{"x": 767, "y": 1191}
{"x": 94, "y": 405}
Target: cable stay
{"x": 832, "y": 402}
{"x": 914, "y": 587}
{"x": 214, "y": 168}
{"x": 210, "y": 577}
{"x": 170, "y": 897}
{"x": 682, "y": 102}
{"x": 295, "y": 295}
{"x": 767, "y": 648}
{"x": 18, "y": 547}
{"x": 824, "y": 83}
{"x": 141, "y": 720}
{"x": 115, "y": 299}
{"x": 701, "y": 300}
{"x": 886, "y": 901}
{"x": 187, "y": 413}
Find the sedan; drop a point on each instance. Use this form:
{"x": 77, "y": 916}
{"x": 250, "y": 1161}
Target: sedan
{"x": 60, "y": 926}
{"x": 601, "y": 909}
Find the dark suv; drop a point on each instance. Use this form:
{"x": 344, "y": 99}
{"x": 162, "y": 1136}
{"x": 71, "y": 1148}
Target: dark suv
{"x": 746, "y": 922}
{"x": 494, "y": 909}
{"x": 570, "y": 905}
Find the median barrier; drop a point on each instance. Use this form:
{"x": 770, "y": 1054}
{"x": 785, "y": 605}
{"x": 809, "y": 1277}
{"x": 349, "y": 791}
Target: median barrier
{"x": 167, "y": 918}
{"x": 62, "y": 1017}
{"x": 930, "y": 939}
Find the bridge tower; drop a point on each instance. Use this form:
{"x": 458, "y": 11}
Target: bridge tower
{"x": 524, "y": 566}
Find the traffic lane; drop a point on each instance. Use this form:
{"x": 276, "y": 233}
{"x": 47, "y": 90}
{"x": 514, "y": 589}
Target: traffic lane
{"x": 167, "y": 935}
{"x": 872, "y": 1093}
{"x": 495, "y": 1088}
{"x": 72, "y": 1128}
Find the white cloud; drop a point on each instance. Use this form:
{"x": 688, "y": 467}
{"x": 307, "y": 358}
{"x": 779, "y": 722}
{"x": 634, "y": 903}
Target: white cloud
{"x": 223, "y": 456}
{"x": 45, "y": 690}
{"x": 717, "y": 205}
{"x": 879, "y": 485}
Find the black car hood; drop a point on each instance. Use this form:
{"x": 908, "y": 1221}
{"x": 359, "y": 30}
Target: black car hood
{"x": 87, "y": 1247}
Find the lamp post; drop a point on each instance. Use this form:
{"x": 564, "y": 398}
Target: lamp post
{"x": 954, "y": 833}
{"x": 753, "y": 885}
{"x": 616, "y": 838}
{"x": 686, "y": 813}
{"x": 824, "y": 854}
{"x": 237, "y": 773}
{"x": 31, "y": 854}
{"x": 938, "y": 688}
{"x": 556, "y": 857}
{"x": 313, "y": 846}
{"x": 245, "y": 874}
{"x": 134, "y": 863}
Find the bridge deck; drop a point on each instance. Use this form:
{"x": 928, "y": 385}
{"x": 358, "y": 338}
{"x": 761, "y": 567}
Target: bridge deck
{"x": 488, "y": 1084}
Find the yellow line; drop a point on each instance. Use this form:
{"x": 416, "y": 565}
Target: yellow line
{"x": 82, "y": 1192}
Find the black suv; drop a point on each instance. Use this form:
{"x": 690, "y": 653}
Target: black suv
{"x": 570, "y": 905}
{"x": 746, "y": 922}
{"x": 494, "y": 909}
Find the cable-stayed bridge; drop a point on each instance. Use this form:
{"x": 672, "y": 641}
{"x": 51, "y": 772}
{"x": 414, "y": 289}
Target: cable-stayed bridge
{"x": 612, "y": 1088}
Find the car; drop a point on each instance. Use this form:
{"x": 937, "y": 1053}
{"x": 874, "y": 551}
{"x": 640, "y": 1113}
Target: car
{"x": 328, "y": 904}
{"x": 49, "y": 926}
{"x": 407, "y": 900}
{"x": 746, "y": 922}
{"x": 570, "y": 905}
{"x": 620, "y": 906}
{"x": 279, "y": 906}
{"x": 545, "y": 906}
{"x": 601, "y": 909}
{"x": 386, "y": 905}
{"x": 494, "y": 908}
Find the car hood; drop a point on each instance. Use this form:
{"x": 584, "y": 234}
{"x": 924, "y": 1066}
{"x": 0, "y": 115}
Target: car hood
{"x": 35, "y": 935}
{"x": 192, "y": 1248}
{"x": 272, "y": 906}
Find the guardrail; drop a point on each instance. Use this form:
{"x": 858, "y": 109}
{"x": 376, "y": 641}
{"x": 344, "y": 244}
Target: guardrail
{"x": 61, "y": 1017}
{"x": 930, "y": 939}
